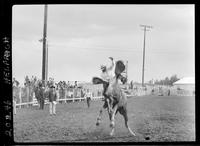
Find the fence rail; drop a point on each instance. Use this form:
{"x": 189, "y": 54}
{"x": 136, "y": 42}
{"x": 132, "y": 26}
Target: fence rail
{"x": 26, "y": 96}
{"x": 35, "y": 102}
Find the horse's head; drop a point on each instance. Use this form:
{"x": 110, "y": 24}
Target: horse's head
{"x": 119, "y": 68}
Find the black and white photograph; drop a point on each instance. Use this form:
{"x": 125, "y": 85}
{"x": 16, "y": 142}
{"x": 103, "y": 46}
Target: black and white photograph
{"x": 103, "y": 73}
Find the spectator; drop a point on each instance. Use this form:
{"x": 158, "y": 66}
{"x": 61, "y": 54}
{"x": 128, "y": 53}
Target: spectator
{"x": 41, "y": 96}
{"x": 75, "y": 84}
{"x": 27, "y": 81}
{"x": 52, "y": 100}
{"x": 168, "y": 92}
{"x": 15, "y": 82}
{"x": 152, "y": 91}
{"x": 88, "y": 97}
{"x": 75, "y": 89}
{"x": 131, "y": 85}
{"x": 68, "y": 84}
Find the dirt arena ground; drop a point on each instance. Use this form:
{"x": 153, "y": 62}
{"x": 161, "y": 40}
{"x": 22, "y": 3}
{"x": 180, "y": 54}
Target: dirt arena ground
{"x": 161, "y": 118}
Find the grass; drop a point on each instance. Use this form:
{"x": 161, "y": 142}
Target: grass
{"x": 160, "y": 118}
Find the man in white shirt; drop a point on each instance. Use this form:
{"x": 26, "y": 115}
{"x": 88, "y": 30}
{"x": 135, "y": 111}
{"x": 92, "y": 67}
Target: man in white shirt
{"x": 108, "y": 70}
{"x": 106, "y": 75}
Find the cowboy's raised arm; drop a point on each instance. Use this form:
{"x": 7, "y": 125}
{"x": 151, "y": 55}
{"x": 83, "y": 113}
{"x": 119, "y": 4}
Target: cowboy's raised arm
{"x": 112, "y": 65}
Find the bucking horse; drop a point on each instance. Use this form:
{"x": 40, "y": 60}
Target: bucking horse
{"x": 120, "y": 100}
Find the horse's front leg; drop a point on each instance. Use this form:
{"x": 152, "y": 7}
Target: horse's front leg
{"x": 109, "y": 108}
{"x": 112, "y": 119}
{"x": 109, "y": 105}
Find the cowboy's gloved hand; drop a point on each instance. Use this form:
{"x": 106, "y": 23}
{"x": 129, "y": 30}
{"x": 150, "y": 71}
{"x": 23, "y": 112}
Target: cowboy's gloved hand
{"x": 124, "y": 80}
{"x": 111, "y": 58}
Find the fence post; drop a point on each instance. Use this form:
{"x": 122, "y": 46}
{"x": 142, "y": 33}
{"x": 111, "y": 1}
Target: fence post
{"x": 58, "y": 94}
{"x": 65, "y": 95}
{"x": 20, "y": 97}
{"x": 73, "y": 95}
{"x": 14, "y": 106}
{"x": 33, "y": 98}
{"x": 27, "y": 92}
{"x": 79, "y": 94}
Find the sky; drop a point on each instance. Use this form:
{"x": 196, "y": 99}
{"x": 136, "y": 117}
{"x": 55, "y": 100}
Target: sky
{"x": 82, "y": 37}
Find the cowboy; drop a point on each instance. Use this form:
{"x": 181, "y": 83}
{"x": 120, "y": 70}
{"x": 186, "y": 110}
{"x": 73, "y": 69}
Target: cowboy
{"x": 106, "y": 75}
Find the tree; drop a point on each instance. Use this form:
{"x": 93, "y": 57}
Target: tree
{"x": 173, "y": 79}
{"x": 167, "y": 80}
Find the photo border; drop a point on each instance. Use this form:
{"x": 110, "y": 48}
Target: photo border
{"x": 6, "y": 71}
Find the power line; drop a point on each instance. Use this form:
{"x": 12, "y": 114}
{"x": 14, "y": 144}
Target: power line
{"x": 118, "y": 49}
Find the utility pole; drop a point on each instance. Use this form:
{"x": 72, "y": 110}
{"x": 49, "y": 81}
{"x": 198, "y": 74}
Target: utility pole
{"x": 146, "y": 28}
{"x": 44, "y": 55}
{"x": 127, "y": 75}
{"x": 127, "y": 70}
{"x": 47, "y": 54}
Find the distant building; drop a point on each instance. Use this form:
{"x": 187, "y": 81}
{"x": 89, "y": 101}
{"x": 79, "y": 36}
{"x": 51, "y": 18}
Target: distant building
{"x": 186, "y": 83}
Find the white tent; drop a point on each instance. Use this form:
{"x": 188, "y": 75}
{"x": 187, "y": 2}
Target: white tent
{"x": 187, "y": 83}
{"x": 186, "y": 80}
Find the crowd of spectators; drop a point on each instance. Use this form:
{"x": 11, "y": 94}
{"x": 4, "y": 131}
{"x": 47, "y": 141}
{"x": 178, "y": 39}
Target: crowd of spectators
{"x": 30, "y": 81}
{"x": 62, "y": 87}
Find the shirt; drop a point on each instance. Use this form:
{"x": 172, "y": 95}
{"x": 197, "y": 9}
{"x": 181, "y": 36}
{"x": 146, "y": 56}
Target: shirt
{"x": 52, "y": 95}
{"x": 109, "y": 73}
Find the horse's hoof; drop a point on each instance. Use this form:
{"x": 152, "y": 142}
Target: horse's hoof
{"x": 147, "y": 138}
{"x": 112, "y": 124}
{"x": 111, "y": 133}
{"x": 133, "y": 134}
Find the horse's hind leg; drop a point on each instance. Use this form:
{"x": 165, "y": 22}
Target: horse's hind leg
{"x": 123, "y": 111}
{"x": 112, "y": 119}
{"x": 99, "y": 118}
